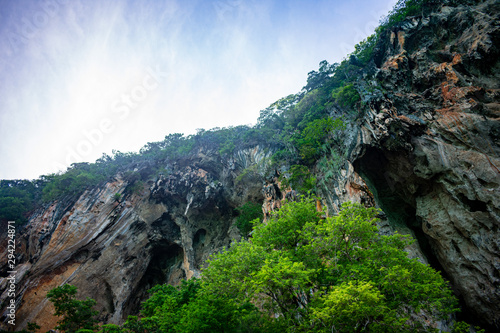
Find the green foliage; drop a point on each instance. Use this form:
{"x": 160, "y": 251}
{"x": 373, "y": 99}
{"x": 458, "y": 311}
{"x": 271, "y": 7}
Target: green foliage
{"x": 463, "y": 327}
{"x": 346, "y": 96}
{"x": 299, "y": 178}
{"x": 309, "y": 108}
{"x": 249, "y": 212}
{"x": 350, "y": 307}
{"x": 316, "y": 79}
{"x": 110, "y": 328}
{"x": 117, "y": 197}
{"x": 227, "y": 140}
{"x": 363, "y": 51}
{"x": 247, "y": 172}
{"x": 32, "y": 327}
{"x": 173, "y": 146}
{"x": 401, "y": 10}
{"x": 78, "y": 178}
{"x": 136, "y": 187}
{"x": 315, "y": 139}
{"x": 16, "y": 199}
{"x": 189, "y": 308}
{"x": 76, "y": 315}
{"x": 335, "y": 274}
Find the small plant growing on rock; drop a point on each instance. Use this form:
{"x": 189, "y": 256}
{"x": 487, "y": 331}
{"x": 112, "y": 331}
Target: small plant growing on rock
{"x": 248, "y": 213}
{"x": 76, "y": 315}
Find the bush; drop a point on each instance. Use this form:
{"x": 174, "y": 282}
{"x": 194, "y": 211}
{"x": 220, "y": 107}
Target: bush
{"x": 248, "y": 213}
{"x": 299, "y": 178}
{"x": 117, "y": 197}
{"x": 346, "y": 96}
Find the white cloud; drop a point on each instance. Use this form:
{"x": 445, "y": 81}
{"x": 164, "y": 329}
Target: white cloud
{"x": 225, "y": 59}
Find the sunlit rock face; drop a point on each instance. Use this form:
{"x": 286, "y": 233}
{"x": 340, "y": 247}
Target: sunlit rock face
{"x": 426, "y": 151}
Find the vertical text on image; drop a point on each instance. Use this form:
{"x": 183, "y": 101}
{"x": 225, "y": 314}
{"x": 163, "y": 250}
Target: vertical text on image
{"x": 11, "y": 280}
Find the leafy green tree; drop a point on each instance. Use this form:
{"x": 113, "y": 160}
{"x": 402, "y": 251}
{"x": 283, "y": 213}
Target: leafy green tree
{"x": 316, "y": 138}
{"x": 111, "y": 328}
{"x": 190, "y": 308}
{"x": 350, "y": 307}
{"x": 136, "y": 325}
{"x": 463, "y": 327}
{"x": 317, "y": 78}
{"x": 17, "y": 198}
{"x": 76, "y": 315}
{"x": 337, "y": 273}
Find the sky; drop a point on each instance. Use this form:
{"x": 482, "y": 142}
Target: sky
{"x": 79, "y": 78}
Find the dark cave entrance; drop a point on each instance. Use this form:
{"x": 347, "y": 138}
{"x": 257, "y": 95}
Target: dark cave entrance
{"x": 390, "y": 177}
{"x": 165, "y": 266}
{"x": 198, "y": 247}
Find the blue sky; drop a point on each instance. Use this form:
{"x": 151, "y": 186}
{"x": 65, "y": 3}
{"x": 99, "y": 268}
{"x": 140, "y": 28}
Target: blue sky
{"x": 79, "y": 78}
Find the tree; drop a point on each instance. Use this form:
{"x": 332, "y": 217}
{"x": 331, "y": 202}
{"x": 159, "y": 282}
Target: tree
{"x": 191, "y": 308}
{"x": 75, "y": 314}
{"x": 317, "y": 274}
{"x": 316, "y": 138}
{"x": 17, "y": 198}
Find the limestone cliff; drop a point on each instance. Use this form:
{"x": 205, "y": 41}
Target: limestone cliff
{"x": 115, "y": 250}
{"x": 425, "y": 149}
{"x": 429, "y": 146}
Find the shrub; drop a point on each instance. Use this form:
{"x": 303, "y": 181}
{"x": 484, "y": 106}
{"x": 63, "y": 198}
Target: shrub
{"x": 346, "y": 96}
{"x": 299, "y": 178}
{"x": 248, "y": 213}
{"x": 117, "y": 197}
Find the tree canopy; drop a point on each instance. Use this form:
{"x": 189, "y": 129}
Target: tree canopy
{"x": 316, "y": 273}
{"x": 76, "y": 315}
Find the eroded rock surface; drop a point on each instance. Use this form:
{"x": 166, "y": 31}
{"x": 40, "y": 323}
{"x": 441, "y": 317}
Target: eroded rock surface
{"x": 114, "y": 251}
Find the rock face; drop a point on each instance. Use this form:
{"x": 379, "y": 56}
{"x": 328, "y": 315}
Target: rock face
{"x": 430, "y": 145}
{"x": 426, "y": 151}
{"x": 114, "y": 251}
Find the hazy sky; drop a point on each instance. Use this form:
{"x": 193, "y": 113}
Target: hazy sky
{"x": 83, "y": 77}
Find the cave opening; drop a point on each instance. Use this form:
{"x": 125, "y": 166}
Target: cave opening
{"x": 395, "y": 186}
{"x": 198, "y": 247}
{"x": 165, "y": 266}
{"x": 390, "y": 177}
